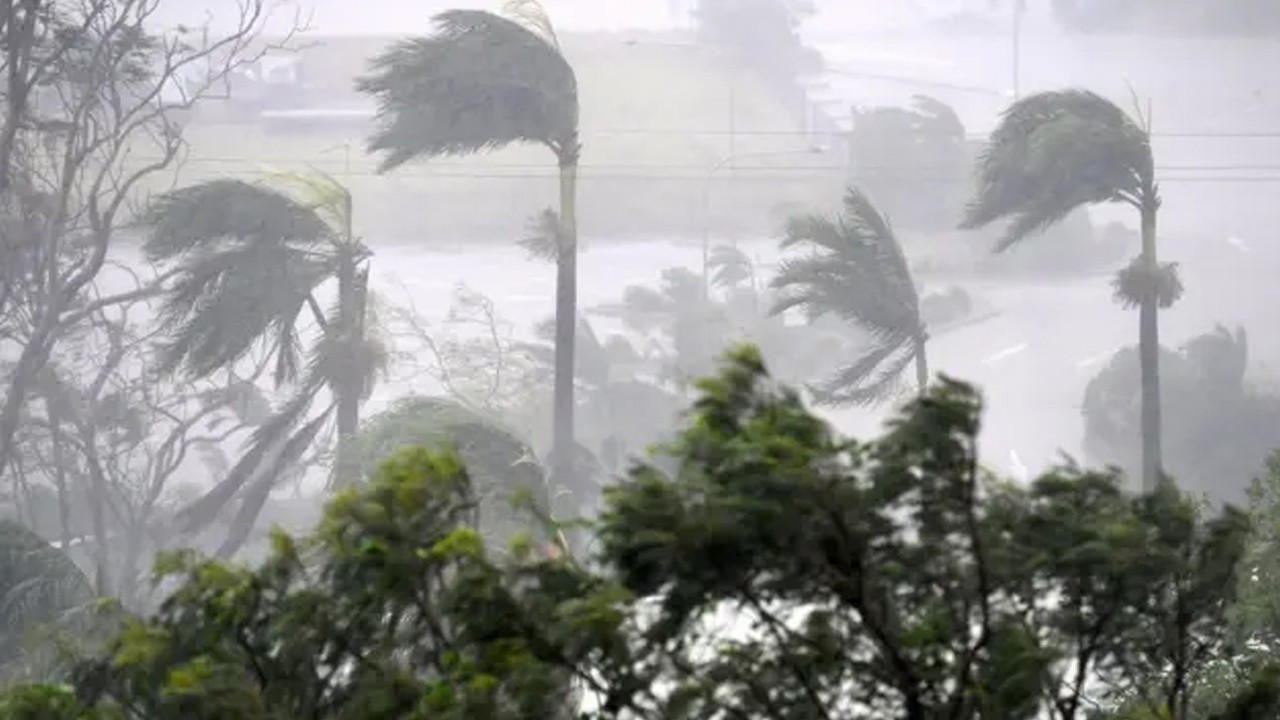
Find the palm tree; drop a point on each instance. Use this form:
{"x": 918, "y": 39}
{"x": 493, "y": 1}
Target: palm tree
{"x": 39, "y": 586}
{"x": 482, "y": 82}
{"x": 251, "y": 261}
{"x": 858, "y": 272}
{"x": 1054, "y": 152}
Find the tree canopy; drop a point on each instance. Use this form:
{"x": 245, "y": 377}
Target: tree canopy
{"x": 779, "y": 571}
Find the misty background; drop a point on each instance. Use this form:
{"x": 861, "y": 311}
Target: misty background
{"x": 689, "y": 143}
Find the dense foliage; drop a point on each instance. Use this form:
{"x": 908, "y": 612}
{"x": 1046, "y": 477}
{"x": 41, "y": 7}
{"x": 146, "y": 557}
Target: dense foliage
{"x": 780, "y": 572}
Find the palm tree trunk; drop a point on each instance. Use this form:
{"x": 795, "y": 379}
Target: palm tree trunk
{"x": 566, "y": 320}
{"x": 346, "y": 388}
{"x": 922, "y": 366}
{"x": 353, "y": 295}
{"x": 1149, "y": 355}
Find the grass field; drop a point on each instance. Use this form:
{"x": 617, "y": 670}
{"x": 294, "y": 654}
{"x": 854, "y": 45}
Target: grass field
{"x": 655, "y": 119}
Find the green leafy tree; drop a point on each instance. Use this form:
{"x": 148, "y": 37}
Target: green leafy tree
{"x": 777, "y": 571}
{"x": 482, "y": 82}
{"x": 391, "y": 609}
{"x": 893, "y": 576}
{"x": 856, "y": 270}
{"x": 1054, "y": 152}
{"x": 507, "y": 479}
{"x": 251, "y": 260}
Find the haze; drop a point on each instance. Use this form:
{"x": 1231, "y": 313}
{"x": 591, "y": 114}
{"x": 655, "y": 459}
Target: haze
{"x": 693, "y": 150}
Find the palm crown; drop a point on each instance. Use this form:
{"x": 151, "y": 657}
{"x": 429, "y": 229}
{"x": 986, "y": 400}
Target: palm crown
{"x": 1054, "y": 152}
{"x": 856, "y": 271}
{"x": 251, "y": 259}
{"x": 481, "y": 82}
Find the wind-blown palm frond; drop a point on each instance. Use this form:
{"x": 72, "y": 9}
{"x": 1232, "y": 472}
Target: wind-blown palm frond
{"x": 533, "y": 17}
{"x": 285, "y": 455}
{"x": 37, "y": 584}
{"x": 250, "y": 258}
{"x": 592, "y": 357}
{"x": 323, "y": 194}
{"x": 1054, "y": 152}
{"x": 543, "y": 238}
{"x": 481, "y": 82}
{"x": 872, "y": 378}
{"x": 856, "y": 271}
{"x": 730, "y": 266}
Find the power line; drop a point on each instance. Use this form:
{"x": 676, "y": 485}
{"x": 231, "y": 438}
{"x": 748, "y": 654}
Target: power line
{"x": 748, "y": 176}
{"x": 633, "y": 167}
{"x": 1188, "y": 135}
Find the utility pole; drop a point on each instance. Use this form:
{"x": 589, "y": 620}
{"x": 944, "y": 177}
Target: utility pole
{"x": 1019, "y": 7}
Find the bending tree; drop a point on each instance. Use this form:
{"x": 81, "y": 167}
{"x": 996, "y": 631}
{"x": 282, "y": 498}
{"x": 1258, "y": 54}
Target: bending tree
{"x": 251, "y": 260}
{"x": 1056, "y": 151}
{"x": 483, "y": 82}
{"x": 857, "y": 272}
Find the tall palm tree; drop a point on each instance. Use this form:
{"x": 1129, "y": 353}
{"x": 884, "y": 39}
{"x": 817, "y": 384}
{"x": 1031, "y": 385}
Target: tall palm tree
{"x": 251, "y": 260}
{"x": 1054, "y": 152}
{"x": 856, "y": 270}
{"x": 482, "y": 82}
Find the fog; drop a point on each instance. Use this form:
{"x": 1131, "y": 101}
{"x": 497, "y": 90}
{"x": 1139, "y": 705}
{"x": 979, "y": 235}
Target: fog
{"x": 691, "y": 150}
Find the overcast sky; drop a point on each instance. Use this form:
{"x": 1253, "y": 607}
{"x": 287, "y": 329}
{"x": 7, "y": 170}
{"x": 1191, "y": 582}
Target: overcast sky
{"x": 398, "y": 16}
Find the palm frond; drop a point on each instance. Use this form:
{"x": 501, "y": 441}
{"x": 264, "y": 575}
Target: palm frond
{"x": 334, "y": 355}
{"x": 249, "y": 258}
{"x": 480, "y": 82}
{"x": 1135, "y": 282}
{"x": 592, "y": 359}
{"x": 267, "y": 477}
{"x": 872, "y": 378}
{"x": 224, "y": 301}
{"x": 37, "y": 583}
{"x": 533, "y": 17}
{"x": 323, "y": 194}
{"x": 856, "y": 270}
{"x": 729, "y": 266}
{"x": 202, "y": 216}
{"x": 1052, "y": 153}
{"x": 266, "y": 439}
{"x": 543, "y": 236}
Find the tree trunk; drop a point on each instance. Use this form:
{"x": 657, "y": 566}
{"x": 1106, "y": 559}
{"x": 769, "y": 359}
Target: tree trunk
{"x": 1149, "y": 355}
{"x": 922, "y": 366}
{"x": 347, "y": 385}
{"x": 562, "y": 441}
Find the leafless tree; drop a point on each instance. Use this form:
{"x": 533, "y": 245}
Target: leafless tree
{"x": 94, "y": 98}
{"x": 472, "y": 354}
{"x": 110, "y": 434}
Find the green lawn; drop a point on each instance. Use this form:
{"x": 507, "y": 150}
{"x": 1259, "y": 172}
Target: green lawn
{"x": 655, "y": 118}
